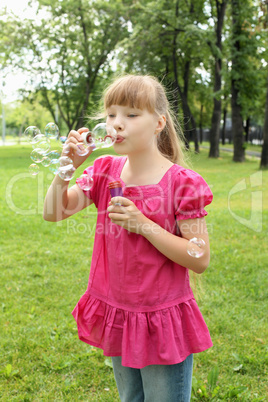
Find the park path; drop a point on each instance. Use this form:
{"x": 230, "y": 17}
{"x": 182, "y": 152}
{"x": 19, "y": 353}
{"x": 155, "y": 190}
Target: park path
{"x": 249, "y": 153}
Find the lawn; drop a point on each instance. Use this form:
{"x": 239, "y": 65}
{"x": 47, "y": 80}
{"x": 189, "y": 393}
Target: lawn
{"x": 45, "y": 267}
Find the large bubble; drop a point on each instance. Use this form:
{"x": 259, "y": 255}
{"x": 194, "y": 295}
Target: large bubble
{"x": 102, "y": 136}
{"x": 52, "y": 130}
{"x": 31, "y": 132}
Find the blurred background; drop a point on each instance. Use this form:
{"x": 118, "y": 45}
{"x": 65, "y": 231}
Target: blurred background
{"x": 57, "y": 56}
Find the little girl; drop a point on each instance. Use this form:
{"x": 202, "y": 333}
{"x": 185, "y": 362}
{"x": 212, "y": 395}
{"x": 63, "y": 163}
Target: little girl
{"x": 139, "y": 306}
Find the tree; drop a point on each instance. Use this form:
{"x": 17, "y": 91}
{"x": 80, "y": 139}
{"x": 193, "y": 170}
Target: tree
{"x": 69, "y": 52}
{"x": 245, "y": 78}
{"x": 164, "y": 41}
{"x": 217, "y": 54}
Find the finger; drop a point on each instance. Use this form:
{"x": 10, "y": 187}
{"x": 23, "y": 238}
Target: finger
{"x": 121, "y": 201}
{"x": 116, "y": 208}
{"x": 82, "y": 130}
{"x": 74, "y": 134}
{"x": 116, "y": 217}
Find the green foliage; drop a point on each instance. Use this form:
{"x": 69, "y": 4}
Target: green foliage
{"x": 72, "y": 53}
{"x": 22, "y": 114}
{"x": 247, "y": 43}
{"x": 69, "y": 52}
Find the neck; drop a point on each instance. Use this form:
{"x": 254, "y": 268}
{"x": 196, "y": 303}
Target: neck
{"x": 144, "y": 166}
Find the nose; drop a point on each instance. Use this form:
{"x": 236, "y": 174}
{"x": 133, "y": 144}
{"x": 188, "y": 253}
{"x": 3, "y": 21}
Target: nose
{"x": 118, "y": 123}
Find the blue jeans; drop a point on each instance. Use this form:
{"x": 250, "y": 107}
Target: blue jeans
{"x": 155, "y": 383}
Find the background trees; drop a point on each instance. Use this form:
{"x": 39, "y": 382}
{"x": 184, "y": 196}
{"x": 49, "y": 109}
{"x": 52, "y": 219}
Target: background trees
{"x": 205, "y": 51}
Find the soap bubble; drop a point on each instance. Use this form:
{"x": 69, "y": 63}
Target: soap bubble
{"x": 85, "y": 182}
{"x": 63, "y": 139}
{"x": 65, "y": 162}
{"x": 82, "y": 149}
{"x": 38, "y": 138}
{"x": 46, "y": 161}
{"x": 66, "y": 149}
{"x": 52, "y": 130}
{"x": 31, "y": 132}
{"x": 37, "y": 155}
{"x": 102, "y": 136}
{"x": 196, "y": 247}
{"x": 34, "y": 169}
{"x": 66, "y": 173}
{"x": 53, "y": 156}
{"x": 54, "y": 165}
{"x": 41, "y": 142}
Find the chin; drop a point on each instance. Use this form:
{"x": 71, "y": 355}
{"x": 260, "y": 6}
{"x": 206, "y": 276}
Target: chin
{"x": 119, "y": 149}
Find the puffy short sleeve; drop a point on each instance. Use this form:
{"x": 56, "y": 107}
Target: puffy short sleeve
{"x": 191, "y": 196}
{"x": 100, "y": 174}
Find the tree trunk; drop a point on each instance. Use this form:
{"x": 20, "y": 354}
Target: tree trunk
{"x": 237, "y": 127}
{"x": 215, "y": 129}
{"x": 216, "y": 115}
{"x": 189, "y": 118}
{"x": 264, "y": 154}
{"x": 201, "y": 124}
{"x": 247, "y": 127}
{"x": 224, "y": 126}
{"x": 237, "y": 121}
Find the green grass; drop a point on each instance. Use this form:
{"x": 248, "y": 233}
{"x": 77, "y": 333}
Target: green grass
{"x": 44, "y": 271}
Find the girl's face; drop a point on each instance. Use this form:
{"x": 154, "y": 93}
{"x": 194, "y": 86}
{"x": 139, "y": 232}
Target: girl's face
{"x": 136, "y": 129}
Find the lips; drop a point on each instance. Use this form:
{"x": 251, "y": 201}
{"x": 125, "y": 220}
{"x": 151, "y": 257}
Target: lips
{"x": 119, "y": 139}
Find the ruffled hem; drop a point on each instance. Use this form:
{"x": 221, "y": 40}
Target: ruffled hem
{"x": 164, "y": 336}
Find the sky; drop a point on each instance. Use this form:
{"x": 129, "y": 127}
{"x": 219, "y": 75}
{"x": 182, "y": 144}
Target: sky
{"x": 13, "y": 82}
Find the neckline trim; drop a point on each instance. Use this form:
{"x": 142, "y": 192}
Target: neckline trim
{"x": 119, "y": 169}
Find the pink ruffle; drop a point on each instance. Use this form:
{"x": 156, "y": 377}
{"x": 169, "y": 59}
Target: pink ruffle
{"x": 165, "y": 336}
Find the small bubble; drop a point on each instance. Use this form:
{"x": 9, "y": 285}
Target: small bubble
{"x": 63, "y": 139}
{"x": 46, "y": 161}
{"x": 82, "y": 149}
{"x": 54, "y": 166}
{"x": 41, "y": 142}
{"x": 37, "y": 155}
{"x": 53, "y": 156}
{"x": 65, "y": 162}
{"x": 85, "y": 182}
{"x": 66, "y": 174}
{"x": 196, "y": 247}
{"x": 34, "y": 169}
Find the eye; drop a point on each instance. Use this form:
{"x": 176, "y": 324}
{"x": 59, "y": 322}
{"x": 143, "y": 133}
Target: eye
{"x": 110, "y": 115}
{"x": 131, "y": 115}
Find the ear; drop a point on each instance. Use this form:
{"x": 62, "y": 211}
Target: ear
{"x": 161, "y": 123}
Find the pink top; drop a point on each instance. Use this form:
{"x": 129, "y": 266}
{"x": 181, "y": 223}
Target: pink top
{"x": 139, "y": 304}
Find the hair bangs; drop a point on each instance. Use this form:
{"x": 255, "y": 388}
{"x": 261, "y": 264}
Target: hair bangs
{"x": 132, "y": 91}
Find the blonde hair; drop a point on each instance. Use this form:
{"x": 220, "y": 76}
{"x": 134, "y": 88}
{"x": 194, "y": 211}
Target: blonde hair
{"x": 146, "y": 92}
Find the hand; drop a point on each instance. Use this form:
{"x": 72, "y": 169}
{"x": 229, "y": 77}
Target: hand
{"x": 71, "y": 145}
{"x": 124, "y": 212}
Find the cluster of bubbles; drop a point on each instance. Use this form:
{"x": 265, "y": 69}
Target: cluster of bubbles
{"x": 196, "y": 247}
{"x": 102, "y": 136}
